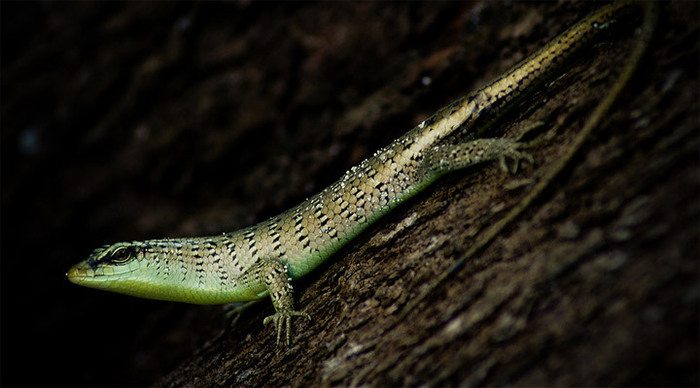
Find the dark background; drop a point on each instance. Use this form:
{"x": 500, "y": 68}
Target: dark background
{"x": 127, "y": 121}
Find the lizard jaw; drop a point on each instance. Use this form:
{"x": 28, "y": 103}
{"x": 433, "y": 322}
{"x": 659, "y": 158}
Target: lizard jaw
{"x": 86, "y": 275}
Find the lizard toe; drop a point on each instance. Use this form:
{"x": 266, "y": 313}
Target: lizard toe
{"x": 283, "y": 322}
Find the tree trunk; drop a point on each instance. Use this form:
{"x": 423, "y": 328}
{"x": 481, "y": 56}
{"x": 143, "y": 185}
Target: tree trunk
{"x": 149, "y": 120}
{"x": 597, "y": 284}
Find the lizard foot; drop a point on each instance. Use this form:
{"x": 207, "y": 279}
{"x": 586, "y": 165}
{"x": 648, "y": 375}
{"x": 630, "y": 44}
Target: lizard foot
{"x": 283, "y": 320}
{"x": 513, "y": 150}
{"x": 233, "y": 311}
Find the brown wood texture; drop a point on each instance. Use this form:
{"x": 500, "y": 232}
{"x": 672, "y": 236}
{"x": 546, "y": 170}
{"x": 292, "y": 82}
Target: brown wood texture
{"x": 145, "y": 120}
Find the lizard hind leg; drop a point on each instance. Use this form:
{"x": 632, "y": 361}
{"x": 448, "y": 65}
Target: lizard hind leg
{"x": 450, "y": 157}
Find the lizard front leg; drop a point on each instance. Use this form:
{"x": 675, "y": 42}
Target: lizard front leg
{"x": 275, "y": 275}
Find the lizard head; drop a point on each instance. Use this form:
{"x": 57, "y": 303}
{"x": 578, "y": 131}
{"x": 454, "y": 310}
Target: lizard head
{"x": 107, "y": 264}
{"x": 126, "y": 268}
{"x": 151, "y": 269}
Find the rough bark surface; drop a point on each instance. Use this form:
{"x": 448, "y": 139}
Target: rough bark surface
{"x": 144, "y": 120}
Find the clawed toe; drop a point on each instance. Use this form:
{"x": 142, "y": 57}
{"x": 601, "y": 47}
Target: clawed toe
{"x": 283, "y": 321}
{"x": 517, "y": 156}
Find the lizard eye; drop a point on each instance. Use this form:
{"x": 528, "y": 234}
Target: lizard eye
{"x": 121, "y": 256}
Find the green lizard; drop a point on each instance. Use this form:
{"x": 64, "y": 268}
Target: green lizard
{"x": 263, "y": 259}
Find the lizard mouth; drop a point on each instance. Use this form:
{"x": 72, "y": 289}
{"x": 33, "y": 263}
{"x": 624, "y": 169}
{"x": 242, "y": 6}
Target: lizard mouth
{"x": 84, "y": 274}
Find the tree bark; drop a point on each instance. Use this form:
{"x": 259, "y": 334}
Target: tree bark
{"x": 597, "y": 284}
{"x": 148, "y": 120}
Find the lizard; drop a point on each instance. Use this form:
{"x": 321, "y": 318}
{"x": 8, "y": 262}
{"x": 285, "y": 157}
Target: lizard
{"x": 263, "y": 259}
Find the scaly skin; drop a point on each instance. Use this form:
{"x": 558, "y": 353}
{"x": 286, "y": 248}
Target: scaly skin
{"x": 262, "y": 259}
